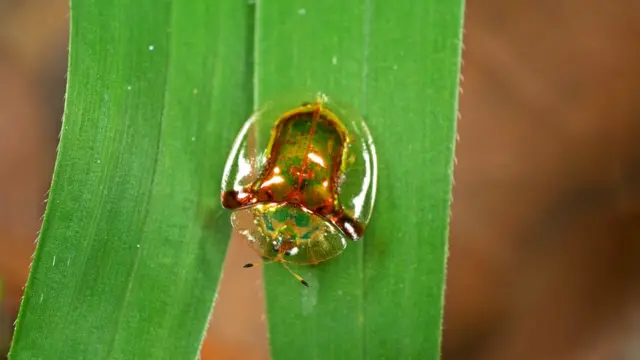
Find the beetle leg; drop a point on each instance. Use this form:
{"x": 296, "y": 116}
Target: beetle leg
{"x": 233, "y": 199}
{"x": 348, "y": 225}
{"x": 302, "y": 281}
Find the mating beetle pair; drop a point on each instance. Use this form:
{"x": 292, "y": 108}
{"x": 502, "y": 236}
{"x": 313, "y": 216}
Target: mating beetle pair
{"x": 301, "y": 180}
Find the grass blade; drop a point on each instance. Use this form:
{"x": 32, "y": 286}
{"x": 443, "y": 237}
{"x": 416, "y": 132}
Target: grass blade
{"x": 132, "y": 243}
{"x": 412, "y": 93}
{"x": 398, "y": 64}
{"x": 297, "y": 46}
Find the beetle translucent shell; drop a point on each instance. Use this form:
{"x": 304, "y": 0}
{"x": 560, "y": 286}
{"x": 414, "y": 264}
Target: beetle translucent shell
{"x": 301, "y": 179}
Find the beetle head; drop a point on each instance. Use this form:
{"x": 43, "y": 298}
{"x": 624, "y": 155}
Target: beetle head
{"x": 286, "y": 243}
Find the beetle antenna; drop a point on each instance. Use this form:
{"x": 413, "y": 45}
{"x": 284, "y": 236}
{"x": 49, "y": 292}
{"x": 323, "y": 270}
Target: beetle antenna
{"x": 257, "y": 263}
{"x": 302, "y": 281}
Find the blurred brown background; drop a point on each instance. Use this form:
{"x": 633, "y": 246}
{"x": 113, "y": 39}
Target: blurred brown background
{"x": 545, "y": 239}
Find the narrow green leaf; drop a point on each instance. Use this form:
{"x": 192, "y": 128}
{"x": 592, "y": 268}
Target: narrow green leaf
{"x": 398, "y": 63}
{"x": 133, "y": 239}
{"x": 412, "y": 94}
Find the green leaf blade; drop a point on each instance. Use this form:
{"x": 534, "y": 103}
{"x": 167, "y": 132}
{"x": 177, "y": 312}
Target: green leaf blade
{"x": 398, "y": 64}
{"x": 412, "y": 91}
{"x": 134, "y": 238}
{"x": 301, "y": 46}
